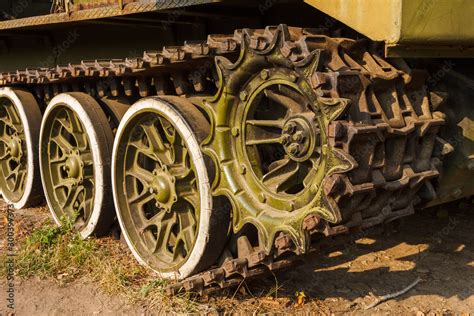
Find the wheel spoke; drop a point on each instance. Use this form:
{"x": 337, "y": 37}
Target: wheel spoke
{"x": 187, "y": 225}
{"x": 284, "y": 171}
{"x": 164, "y": 227}
{"x": 71, "y": 197}
{"x": 169, "y": 131}
{"x": 63, "y": 143}
{"x": 65, "y": 124}
{"x": 13, "y": 116}
{"x": 75, "y": 126}
{"x": 143, "y": 175}
{"x": 5, "y": 155}
{"x": 139, "y": 148}
{"x": 267, "y": 123}
{"x": 21, "y": 175}
{"x": 262, "y": 134}
{"x": 287, "y": 102}
{"x": 185, "y": 186}
{"x": 262, "y": 140}
{"x": 65, "y": 183}
{"x": 155, "y": 140}
{"x": 6, "y": 123}
{"x": 141, "y": 198}
{"x": 59, "y": 160}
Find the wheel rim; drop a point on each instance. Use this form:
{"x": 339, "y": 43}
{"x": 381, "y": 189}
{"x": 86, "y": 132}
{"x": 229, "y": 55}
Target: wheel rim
{"x": 69, "y": 176}
{"x": 160, "y": 202}
{"x": 13, "y": 152}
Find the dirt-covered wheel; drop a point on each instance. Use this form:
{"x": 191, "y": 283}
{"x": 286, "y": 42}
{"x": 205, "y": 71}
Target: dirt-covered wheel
{"x": 76, "y": 145}
{"x": 20, "y": 119}
{"x": 161, "y": 187}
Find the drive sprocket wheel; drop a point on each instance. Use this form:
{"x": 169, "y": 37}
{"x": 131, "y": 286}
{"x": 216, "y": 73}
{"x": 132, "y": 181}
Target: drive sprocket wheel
{"x": 269, "y": 140}
{"x": 20, "y": 119}
{"x": 76, "y": 145}
{"x": 162, "y": 188}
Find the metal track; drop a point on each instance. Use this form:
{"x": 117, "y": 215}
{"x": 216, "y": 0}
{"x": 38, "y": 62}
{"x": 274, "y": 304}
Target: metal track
{"x": 389, "y": 130}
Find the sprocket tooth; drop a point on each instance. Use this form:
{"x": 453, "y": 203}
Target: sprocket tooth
{"x": 223, "y": 66}
{"x": 340, "y": 161}
{"x": 309, "y": 64}
{"x": 332, "y": 108}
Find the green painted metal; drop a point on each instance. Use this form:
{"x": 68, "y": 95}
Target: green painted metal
{"x": 414, "y": 28}
{"x": 70, "y": 176}
{"x": 267, "y": 113}
{"x": 13, "y": 162}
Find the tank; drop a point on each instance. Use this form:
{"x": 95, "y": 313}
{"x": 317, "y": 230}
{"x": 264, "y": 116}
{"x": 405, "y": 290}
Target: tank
{"x": 228, "y": 139}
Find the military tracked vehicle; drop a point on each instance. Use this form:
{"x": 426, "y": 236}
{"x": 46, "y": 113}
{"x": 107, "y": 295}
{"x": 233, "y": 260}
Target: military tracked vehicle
{"x": 229, "y": 138}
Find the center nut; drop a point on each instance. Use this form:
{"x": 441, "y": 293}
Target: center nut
{"x": 14, "y": 147}
{"x": 163, "y": 189}
{"x": 297, "y": 138}
{"x": 74, "y": 165}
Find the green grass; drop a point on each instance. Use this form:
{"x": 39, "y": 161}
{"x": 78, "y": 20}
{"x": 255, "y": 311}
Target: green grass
{"x": 59, "y": 253}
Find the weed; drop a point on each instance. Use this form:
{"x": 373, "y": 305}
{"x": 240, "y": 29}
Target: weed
{"x": 60, "y": 253}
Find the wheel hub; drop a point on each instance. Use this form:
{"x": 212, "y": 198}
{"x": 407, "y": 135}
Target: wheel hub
{"x": 297, "y": 138}
{"x": 163, "y": 189}
{"x": 73, "y": 166}
{"x": 14, "y": 147}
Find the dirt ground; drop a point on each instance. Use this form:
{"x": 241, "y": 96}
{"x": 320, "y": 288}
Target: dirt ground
{"x": 434, "y": 245}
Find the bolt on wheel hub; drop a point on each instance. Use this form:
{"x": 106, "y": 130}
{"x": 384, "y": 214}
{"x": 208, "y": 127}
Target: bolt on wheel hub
{"x": 298, "y": 138}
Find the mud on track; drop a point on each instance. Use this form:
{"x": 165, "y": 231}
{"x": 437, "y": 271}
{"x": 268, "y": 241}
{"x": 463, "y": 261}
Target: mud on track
{"x": 436, "y": 245}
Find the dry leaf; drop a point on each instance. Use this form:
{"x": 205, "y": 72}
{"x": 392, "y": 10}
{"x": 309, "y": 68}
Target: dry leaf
{"x": 300, "y": 297}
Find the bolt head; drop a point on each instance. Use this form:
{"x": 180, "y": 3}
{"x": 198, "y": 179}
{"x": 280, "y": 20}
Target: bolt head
{"x": 235, "y": 131}
{"x": 299, "y": 137}
{"x": 289, "y": 128}
{"x": 286, "y": 139}
{"x": 264, "y": 74}
{"x": 294, "y": 149}
{"x": 243, "y": 96}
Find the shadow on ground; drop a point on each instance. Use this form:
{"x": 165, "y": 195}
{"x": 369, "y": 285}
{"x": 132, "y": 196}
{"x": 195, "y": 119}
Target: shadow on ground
{"x": 435, "y": 245}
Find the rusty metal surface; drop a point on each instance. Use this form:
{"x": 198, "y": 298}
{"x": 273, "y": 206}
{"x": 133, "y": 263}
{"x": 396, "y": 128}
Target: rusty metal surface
{"x": 405, "y": 25}
{"x": 100, "y": 12}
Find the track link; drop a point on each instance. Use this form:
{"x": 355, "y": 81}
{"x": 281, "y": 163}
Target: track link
{"x": 390, "y": 129}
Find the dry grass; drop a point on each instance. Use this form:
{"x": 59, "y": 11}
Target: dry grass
{"x": 59, "y": 253}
